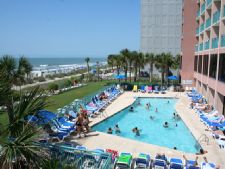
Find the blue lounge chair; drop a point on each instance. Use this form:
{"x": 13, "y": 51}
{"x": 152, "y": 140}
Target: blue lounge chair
{"x": 156, "y": 89}
{"x": 81, "y": 148}
{"x": 208, "y": 165}
{"x": 59, "y": 135}
{"x": 176, "y": 163}
{"x": 160, "y": 164}
{"x": 191, "y": 165}
{"x": 142, "y": 161}
{"x": 142, "y": 89}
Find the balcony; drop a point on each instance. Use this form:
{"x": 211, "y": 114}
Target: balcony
{"x": 222, "y": 41}
{"x": 198, "y": 13}
{"x": 201, "y": 47}
{"x": 208, "y": 2}
{"x": 202, "y": 27}
{"x": 208, "y": 23}
{"x": 197, "y": 31}
{"x": 216, "y": 16}
{"x": 206, "y": 45}
{"x": 215, "y": 43}
{"x": 203, "y": 7}
{"x": 196, "y": 48}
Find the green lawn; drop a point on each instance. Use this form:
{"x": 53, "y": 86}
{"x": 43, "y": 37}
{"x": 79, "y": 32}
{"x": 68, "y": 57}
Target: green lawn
{"x": 58, "y": 101}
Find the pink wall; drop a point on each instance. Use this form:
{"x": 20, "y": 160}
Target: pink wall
{"x": 188, "y": 41}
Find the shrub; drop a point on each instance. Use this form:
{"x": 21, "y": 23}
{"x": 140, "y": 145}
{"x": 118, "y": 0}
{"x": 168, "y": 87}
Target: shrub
{"x": 53, "y": 86}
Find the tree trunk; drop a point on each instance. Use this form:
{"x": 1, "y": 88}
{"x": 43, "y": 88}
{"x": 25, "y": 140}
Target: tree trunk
{"x": 151, "y": 71}
{"x": 150, "y": 76}
{"x": 130, "y": 70}
{"x": 88, "y": 71}
{"x": 135, "y": 73}
{"x": 125, "y": 71}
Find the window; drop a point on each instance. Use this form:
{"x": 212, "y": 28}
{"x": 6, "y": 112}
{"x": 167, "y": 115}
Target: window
{"x": 196, "y": 63}
{"x": 200, "y": 64}
{"x": 205, "y": 64}
{"x": 213, "y": 64}
{"x": 221, "y": 76}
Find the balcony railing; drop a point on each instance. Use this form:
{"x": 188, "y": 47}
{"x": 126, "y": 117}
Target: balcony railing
{"x": 198, "y": 13}
{"x": 215, "y": 43}
{"x": 223, "y": 41}
{"x": 209, "y": 2}
{"x": 223, "y": 10}
{"x": 203, "y": 7}
{"x": 208, "y": 23}
{"x": 197, "y": 31}
{"x": 216, "y": 16}
{"x": 201, "y": 47}
{"x": 206, "y": 45}
{"x": 196, "y": 48}
{"x": 202, "y": 27}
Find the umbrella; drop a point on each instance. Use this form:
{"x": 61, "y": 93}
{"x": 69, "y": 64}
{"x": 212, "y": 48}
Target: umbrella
{"x": 172, "y": 78}
{"x": 120, "y": 76}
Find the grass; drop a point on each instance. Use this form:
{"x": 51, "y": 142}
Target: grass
{"x": 58, "y": 101}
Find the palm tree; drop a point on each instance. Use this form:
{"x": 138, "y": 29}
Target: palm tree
{"x": 136, "y": 60}
{"x": 19, "y": 151}
{"x": 110, "y": 60}
{"x": 125, "y": 54}
{"x": 11, "y": 75}
{"x": 87, "y": 60}
{"x": 163, "y": 62}
{"x": 97, "y": 65}
{"x": 150, "y": 59}
{"x": 141, "y": 63}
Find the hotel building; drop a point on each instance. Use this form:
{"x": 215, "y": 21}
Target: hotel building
{"x": 203, "y": 49}
{"x": 161, "y": 26}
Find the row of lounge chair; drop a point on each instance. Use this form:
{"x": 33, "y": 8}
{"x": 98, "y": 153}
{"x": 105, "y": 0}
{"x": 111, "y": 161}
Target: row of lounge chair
{"x": 148, "y": 89}
{"x": 125, "y": 160}
{"x": 60, "y": 127}
{"x": 211, "y": 119}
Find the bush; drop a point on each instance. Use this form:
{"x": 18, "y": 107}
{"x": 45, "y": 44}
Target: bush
{"x": 52, "y": 87}
{"x": 40, "y": 79}
{"x": 67, "y": 83}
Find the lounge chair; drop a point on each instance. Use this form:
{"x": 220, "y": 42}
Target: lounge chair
{"x": 176, "y": 163}
{"x": 142, "y": 89}
{"x": 113, "y": 152}
{"x": 142, "y": 161}
{"x": 124, "y": 161}
{"x": 156, "y": 89}
{"x": 81, "y": 148}
{"x": 135, "y": 88}
{"x": 149, "y": 89}
{"x": 190, "y": 164}
{"x": 160, "y": 164}
{"x": 205, "y": 165}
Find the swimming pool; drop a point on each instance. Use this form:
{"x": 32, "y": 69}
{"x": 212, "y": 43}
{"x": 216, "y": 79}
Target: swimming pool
{"x": 152, "y": 130}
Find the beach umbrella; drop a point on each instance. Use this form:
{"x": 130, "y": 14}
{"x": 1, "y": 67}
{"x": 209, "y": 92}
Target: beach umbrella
{"x": 120, "y": 76}
{"x": 172, "y": 78}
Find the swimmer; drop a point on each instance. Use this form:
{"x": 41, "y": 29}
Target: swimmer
{"x": 175, "y": 148}
{"x": 168, "y": 101}
{"x": 136, "y": 131}
{"x": 131, "y": 109}
{"x": 166, "y": 125}
{"x": 156, "y": 110}
{"x": 147, "y": 106}
{"x": 110, "y": 131}
{"x": 176, "y": 125}
{"x": 138, "y": 102}
{"x": 152, "y": 117}
{"x": 117, "y": 129}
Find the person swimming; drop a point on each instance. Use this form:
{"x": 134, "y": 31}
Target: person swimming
{"x": 156, "y": 110}
{"x": 168, "y": 101}
{"x": 166, "y": 124}
{"x": 131, "y": 109}
{"x": 147, "y": 106}
{"x": 152, "y": 117}
{"x": 117, "y": 129}
{"x": 136, "y": 131}
{"x": 110, "y": 131}
{"x": 138, "y": 102}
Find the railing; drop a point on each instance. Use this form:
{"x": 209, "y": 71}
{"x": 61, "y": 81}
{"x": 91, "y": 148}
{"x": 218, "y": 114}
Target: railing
{"x": 209, "y": 2}
{"x": 196, "y": 48}
{"x": 203, "y": 7}
{"x": 223, "y": 10}
{"x": 208, "y": 23}
{"x": 222, "y": 41}
{"x": 197, "y": 31}
{"x": 214, "y": 43}
{"x": 198, "y": 13}
{"x": 201, "y": 47}
{"x": 80, "y": 159}
{"x": 216, "y": 16}
{"x": 202, "y": 27}
{"x": 206, "y": 45}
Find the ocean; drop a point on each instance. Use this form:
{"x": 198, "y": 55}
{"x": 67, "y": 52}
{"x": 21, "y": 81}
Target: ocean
{"x": 36, "y": 62}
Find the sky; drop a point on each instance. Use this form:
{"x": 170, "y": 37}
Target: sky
{"x": 68, "y": 28}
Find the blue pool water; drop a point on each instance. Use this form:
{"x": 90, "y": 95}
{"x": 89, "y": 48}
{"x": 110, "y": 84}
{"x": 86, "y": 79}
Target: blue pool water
{"x": 152, "y": 131}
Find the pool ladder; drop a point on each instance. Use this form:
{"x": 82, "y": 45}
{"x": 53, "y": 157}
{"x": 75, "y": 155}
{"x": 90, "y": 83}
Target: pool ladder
{"x": 203, "y": 139}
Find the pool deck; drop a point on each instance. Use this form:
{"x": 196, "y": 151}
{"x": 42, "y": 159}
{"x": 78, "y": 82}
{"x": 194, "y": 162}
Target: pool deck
{"x": 190, "y": 118}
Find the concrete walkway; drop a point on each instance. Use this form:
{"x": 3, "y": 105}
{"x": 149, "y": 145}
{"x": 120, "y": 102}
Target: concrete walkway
{"x": 191, "y": 119}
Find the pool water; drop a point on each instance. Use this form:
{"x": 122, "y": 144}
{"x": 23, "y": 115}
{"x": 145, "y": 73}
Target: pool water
{"x": 152, "y": 130}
